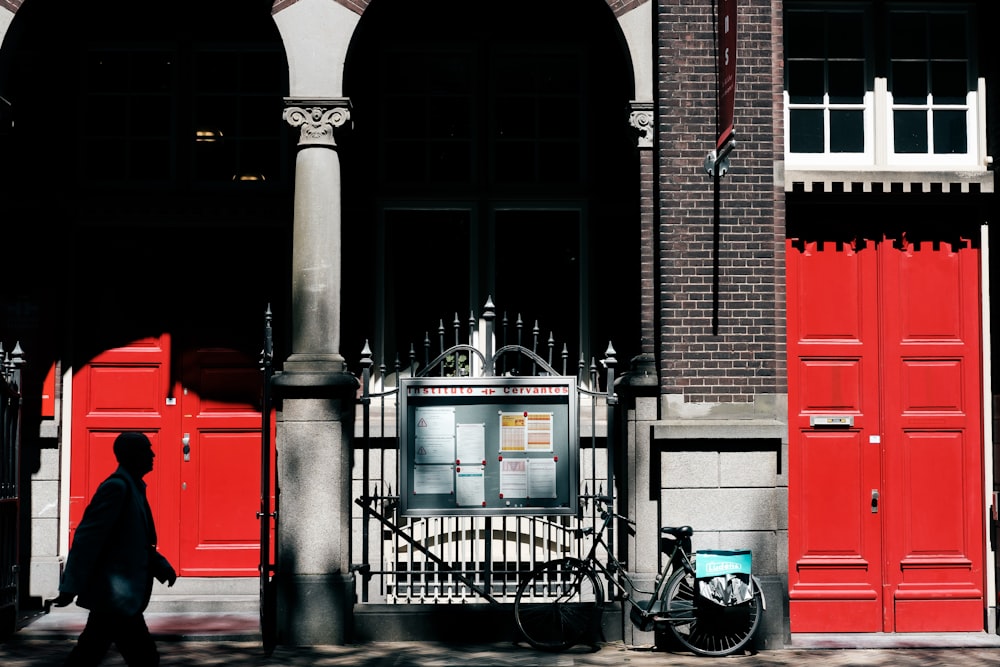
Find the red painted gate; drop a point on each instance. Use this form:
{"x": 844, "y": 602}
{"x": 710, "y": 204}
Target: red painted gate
{"x": 885, "y": 481}
{"x": 204, "y": 422}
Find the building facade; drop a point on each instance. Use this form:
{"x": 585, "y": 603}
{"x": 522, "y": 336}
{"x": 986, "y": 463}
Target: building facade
{"x": 805, "y": 356}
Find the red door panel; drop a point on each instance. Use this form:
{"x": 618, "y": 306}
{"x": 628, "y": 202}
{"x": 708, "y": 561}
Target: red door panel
{"x": 220, "y": 496}
{"x": 125, "y": 389}
{"x": 887, "y": 333}
{"x": 205, "y": 503}
{"x": 835, "y": 578}
{"x": 933, "y": 448}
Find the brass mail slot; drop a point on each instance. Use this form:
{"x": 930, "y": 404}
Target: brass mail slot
{"x": 828, "y": 420}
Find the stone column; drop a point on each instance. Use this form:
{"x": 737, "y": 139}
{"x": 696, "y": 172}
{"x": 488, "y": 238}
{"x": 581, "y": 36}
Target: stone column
{"x": 316, "y": 261}
{"x": 639, "y": 387}
{"x": 315, "y": 589}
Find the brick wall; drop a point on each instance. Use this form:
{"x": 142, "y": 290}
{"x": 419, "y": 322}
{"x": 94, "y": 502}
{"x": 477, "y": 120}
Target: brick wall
{"x": 746, "y": 357}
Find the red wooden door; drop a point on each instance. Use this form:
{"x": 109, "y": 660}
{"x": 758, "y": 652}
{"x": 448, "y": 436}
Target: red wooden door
{"x": 835, "y": 545}
{"x": 127, "y": 388}
{"x": 934, "y": 498}
{"x": 220, "y": 464}
{"x": 885, "y": 518}
{"x": 204, "y": 423}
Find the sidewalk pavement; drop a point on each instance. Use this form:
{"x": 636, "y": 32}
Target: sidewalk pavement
{"x": 233, "y": 639}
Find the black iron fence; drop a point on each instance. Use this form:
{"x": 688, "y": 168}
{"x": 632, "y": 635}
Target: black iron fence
{"x": 447, "y": 559}
{"x": 10, "y": 451}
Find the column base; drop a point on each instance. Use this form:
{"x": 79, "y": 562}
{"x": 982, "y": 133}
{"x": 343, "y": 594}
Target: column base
{"x": 315, "y": 363}
{"x": 315, "y": 610}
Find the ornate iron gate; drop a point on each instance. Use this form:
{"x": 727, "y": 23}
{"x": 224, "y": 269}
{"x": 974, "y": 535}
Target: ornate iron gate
{"x": 10, "y": 450}
{"x": 458, "y": 559}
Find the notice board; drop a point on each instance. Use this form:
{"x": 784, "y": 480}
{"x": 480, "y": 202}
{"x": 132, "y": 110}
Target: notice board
{"x": 489, "y": 446}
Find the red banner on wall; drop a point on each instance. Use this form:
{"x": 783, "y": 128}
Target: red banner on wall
{"x": 727, "y": 71}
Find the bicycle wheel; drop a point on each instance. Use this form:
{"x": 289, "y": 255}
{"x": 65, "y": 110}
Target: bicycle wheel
{"x": 559, "y": 605}
{"x": 705, "y": 628}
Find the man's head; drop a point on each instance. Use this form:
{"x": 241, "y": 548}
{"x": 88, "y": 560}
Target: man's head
{"x": 134, "y": 452}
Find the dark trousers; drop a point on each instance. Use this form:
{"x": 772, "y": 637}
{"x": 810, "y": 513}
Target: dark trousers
{"x": 128, "y": 633}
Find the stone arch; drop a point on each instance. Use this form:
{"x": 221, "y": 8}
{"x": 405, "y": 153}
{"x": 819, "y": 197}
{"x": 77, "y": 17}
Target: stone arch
{"x": 318, "y": 33}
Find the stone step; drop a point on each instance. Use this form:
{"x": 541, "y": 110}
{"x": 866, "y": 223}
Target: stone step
{"x": 207, "y": 594}
{"x": 190, "y": 604}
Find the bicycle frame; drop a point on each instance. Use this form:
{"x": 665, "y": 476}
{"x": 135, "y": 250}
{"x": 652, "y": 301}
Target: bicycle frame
{"x": 573, "y": 596}
{"x": 618, "y": 577}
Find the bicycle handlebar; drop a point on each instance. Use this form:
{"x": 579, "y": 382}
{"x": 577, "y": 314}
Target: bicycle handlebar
{"x": 608, "y": 500}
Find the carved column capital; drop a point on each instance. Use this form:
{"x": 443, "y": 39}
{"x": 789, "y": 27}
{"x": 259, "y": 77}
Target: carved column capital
{"x": 318, "y": 119}
{"x": 640, "y": 117}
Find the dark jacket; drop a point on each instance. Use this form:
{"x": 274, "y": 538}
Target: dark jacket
{"x": 113, "y": 558}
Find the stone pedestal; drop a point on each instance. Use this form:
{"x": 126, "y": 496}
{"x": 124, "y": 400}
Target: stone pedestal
{"x": 315, "y": 588}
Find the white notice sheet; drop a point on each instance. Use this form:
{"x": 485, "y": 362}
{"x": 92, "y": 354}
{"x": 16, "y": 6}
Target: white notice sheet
{"x": 541, "y": 478}
{"x": 471, "y": 443}
{"x": 433, "y": 479}
{"x": 513, "y": 478}
{"x": 434, "y": 450}
{"x": 470, "y": 487}
{"x": 434, "y": 422}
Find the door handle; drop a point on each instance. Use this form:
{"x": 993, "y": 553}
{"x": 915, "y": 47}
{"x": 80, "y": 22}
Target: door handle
{"x": 187, "y": 446}
{"x": 874, "y": 501}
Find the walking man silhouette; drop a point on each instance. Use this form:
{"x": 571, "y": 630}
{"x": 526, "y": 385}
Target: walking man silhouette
{"x": 113, "y": 560}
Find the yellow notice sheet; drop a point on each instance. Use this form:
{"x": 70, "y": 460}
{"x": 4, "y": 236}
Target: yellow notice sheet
{"x": 526, "y": 431}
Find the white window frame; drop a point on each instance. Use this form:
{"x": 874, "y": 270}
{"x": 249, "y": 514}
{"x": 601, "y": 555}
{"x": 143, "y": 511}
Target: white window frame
{"x": 971, "y": 157}
{"x": 829, "y": 159}
{"x": 878, "y": 106}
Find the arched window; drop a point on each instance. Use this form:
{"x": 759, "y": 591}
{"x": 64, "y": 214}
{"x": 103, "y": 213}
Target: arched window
{"x": 491, "y": 157}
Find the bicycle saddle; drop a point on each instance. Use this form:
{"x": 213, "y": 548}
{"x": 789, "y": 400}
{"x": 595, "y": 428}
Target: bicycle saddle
{"x": 682, "y": 531}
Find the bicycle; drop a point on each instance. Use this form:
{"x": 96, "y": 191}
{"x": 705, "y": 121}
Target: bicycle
{"x": 559, "y": 604}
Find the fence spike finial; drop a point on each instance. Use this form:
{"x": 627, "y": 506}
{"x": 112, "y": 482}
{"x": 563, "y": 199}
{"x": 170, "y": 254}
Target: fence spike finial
{"x": 366, "y": 357}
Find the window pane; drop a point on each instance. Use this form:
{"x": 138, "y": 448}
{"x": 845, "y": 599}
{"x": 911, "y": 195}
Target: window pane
{"x": 846, "y": 35}
{"x": 450, "y": 161}
{"x": 910, "y": 134}
{"x": 515, "y": 162}
{"x": 151, "y": 116}
{"x": 558, "y": 162}
{"x": 105, "y": 160}
{"x": 424, "y": 248}
{"x": 404, "y": 162}
{"x": 107, "y": 72}
{"x": 553, "y": 73}
{"x": 950, "y": 133}
{"x": 150, "y": 72}
{"x": 804, "y": 34}
{"x": 805, "y": 128}
{"x": 513, "y": 120}
{"x": 101, "y": 121}
{"x": 213, "y": 161}
{"x": 948, "y": 36}
{"x": 415, "y": 122}
{"x": 949, "y": 82}
{"x": 909, "y": 82}
{"x": 449, "y": 116}
{"x": 263, "y": 73}
{"x": 258, "y": 159}
{"x": 216, "y": 113}
{"x": 259, "y": 117}
{"x": 570, "y": 118}
{"x": 805, "y": 82}
{"x": 151, "y": 160}
{"x": 216, "y": 71}
{"x": 847, "y": 131}
{"x": 522, "y": 237}
{"x": 908, "y": 31}
{"x": 847, "y": 82}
